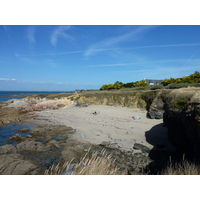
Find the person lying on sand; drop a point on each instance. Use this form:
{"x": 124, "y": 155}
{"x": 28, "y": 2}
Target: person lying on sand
{"x": 94, "y": 112}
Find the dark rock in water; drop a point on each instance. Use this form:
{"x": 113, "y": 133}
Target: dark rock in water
{"x": 18, "y": 138}
{"x": 31, "y": 145}
{"x": 143, "y": 148}
{"x": 14, "y": 164}
{"x": 24, "y": 130}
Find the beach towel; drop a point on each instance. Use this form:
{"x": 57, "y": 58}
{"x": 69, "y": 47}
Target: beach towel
{"x": 136, "y": 117}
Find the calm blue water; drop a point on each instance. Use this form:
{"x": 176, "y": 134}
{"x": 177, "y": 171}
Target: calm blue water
{"x": 7, "y": 131}
{"x": 3, "y": 99}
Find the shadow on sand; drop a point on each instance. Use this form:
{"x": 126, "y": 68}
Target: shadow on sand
{"x": 162, "y": 151}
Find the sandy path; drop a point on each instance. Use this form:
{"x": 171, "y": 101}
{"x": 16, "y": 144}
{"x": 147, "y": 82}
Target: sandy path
{"x": 112, "y": 124}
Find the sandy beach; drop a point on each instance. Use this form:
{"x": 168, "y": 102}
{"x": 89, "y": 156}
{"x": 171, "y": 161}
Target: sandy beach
{"x": 112, "y": 125}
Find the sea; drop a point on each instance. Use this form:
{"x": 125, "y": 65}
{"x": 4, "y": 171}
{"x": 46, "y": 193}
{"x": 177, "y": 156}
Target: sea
{"x": 7, "y": 131}
{"x": 3, "y": 98}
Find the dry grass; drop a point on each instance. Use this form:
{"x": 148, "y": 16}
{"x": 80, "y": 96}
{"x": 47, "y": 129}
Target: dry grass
{"x": 91, "y": 164}
{"x": 183, "y": 168}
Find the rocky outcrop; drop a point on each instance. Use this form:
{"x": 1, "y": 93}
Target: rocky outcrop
{"x": 16, "y": 137}
{"x": 14, "y": 164}
{"x": 31, "y": 145}
{"x": 7, "y": 149}
{"x": 17, "y": 110}
{"x": 182, "y": 118}
{"x": 154, "y": 104}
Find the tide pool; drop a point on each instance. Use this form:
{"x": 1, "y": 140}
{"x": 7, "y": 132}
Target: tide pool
{"x": 7, "y": 131}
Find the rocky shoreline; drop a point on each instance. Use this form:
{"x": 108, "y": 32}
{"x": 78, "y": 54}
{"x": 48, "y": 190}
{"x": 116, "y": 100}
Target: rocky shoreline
{"x": 58, "y": 137}
{"x": 51, "y": 143}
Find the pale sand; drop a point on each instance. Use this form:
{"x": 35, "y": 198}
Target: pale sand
{"x": 112, "y": 124}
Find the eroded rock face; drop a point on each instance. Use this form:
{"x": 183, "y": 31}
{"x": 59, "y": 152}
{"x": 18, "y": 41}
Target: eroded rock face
{"x": 182, "y": 118}
{"x": 156, "y": 109}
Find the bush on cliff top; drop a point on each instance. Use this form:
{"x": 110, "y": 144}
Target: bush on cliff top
{"x": 120, "y": 85}
{"x": 191, "y": 79}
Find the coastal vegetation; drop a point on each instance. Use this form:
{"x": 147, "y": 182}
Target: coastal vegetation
{"x": 120, "y": 85}
{"x": 176, "y": 104}
{"x": 191, "y": 79}
{"x": 92, "y": 163}
{"x": 104, "y": 164}
{"x": 172, "y": 83}
{"x": 184, "y": 167}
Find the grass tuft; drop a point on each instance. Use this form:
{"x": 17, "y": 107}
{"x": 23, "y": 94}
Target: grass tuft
{"x": 183, "y": 168}
{"x": 91, "y": 164}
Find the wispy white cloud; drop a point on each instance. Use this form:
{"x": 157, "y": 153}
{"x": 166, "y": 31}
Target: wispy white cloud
{"x": 146, "y": 62}
{"x": 165, "y": 45}
{"x": 6, "y": 30}
{"x": 187, "y": 61}
{"x": 109, "y": 49}
{"x": 156, "y": 72}
{"x": 31, "y": 30}
{"x": 50, "y": 63}
{"x": 60, "y": 32}
{"x": 7, "y": 79}
{"x": 97, "y": 47}
{"x": 48, "y": 54}
{"x": 105, "y": 44}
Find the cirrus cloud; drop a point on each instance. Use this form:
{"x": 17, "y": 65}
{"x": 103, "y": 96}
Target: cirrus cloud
{"x": 59, "y": 32}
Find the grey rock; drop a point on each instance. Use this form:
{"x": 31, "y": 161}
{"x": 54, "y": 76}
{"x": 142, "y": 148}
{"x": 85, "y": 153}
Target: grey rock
{"x": 31, "y": 145}
{"x": 156, "y": 109}
{"x": 14, "y": 164}
{"x": 6, "y": 149}
{"x": 143, "y": 148}
{"x": 53, "y": 143}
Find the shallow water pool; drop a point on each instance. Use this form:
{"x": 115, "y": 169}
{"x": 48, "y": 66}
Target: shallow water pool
{"x": 7, "y": 131}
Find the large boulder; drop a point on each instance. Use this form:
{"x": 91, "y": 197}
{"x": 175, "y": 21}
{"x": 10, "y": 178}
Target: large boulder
{"x": 156, "y": 109}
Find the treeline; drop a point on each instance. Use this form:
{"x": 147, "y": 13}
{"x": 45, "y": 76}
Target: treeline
{"x": 191, "y": 79}
{"x": 187, "y": 80}
{"x": 120, "y": 85}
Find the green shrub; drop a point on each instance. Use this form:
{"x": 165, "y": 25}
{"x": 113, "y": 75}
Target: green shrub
{"x": 191, "y": 79}
{"x": 155, "y": 87}
{"x": 179, "y": 103}
{"x": 177, "y": 85}
{"x": 195, "y": 85}
{"x": 140, "y": 83}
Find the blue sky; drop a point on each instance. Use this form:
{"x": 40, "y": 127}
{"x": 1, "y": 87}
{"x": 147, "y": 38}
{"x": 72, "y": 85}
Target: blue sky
{"x": 65, "y": 58}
